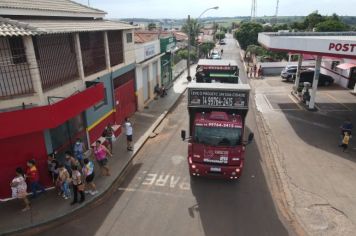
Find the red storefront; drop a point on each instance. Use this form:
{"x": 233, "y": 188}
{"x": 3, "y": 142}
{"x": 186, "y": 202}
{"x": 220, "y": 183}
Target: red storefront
{"x": 125, "y": 98}
{"x": 22, "y": 133}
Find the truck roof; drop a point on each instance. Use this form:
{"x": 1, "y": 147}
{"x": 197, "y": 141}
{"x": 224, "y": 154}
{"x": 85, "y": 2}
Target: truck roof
{"x": 210, "y": 62}
{"x": 218, "y": 95}
{"x": 219, "y": 86}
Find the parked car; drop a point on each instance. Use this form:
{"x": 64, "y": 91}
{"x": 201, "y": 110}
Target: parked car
{"x": 307, "y": 76}
{"x": 289, "y": 72}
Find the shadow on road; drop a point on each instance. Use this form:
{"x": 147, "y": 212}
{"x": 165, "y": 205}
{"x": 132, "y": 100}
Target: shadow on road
{"x": 243, "y": 207}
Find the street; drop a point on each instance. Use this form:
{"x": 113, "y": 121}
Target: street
{"x": 158, "y": 197}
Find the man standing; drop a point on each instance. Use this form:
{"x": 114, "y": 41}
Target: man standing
{"x": 108, "y": 134}
{"x": 129, "y": 131}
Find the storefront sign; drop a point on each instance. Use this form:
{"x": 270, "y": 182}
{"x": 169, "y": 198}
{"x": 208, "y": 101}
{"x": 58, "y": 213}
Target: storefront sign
{"x": 149, "y": 51}
{"x": 219, "y": 99}
{"x": 343, "y": 47}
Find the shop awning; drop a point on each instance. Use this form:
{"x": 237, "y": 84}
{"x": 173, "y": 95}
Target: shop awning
{"x": 36, "y": 119}
{"x": 346, "y": 66}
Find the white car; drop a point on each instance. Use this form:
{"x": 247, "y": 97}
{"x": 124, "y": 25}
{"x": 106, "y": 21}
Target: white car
{"x": 215, "y": 55}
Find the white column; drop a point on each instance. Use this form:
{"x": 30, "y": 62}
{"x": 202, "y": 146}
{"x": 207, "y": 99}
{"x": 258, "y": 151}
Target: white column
{"x": 297, "y": 76}
{"x": 315, "y": 82}
{"x": 34, "y": 70}
{"x": 78, "y": 55}
{"x": 107, "y": 53}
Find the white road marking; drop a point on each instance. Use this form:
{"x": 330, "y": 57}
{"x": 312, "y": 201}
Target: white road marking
{"x": 153, "y": 192}
{"x": 165, "y": 180}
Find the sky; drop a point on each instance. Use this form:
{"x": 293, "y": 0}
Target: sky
{"x": 227, "y": 8}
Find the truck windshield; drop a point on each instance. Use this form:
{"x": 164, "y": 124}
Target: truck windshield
{"x": 215, "y": 136}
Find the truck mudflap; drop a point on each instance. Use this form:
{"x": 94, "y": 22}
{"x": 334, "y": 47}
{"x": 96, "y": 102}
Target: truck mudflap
{"x": 215, "y": 171}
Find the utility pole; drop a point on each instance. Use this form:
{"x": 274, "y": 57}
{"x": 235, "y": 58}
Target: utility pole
{"x": 189, "y": 78}
{"x": 253, "y": 10}
{"x": 276, "y": 14}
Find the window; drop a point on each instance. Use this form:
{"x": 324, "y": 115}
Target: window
{"x": 215, "y": 136}
{"x": 103, "y": 102}
{"x": 17, "y": 50}
{"x": 129, "y": 38}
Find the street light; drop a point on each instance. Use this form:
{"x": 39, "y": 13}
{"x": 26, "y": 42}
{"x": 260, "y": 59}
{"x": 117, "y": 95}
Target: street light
{"x": 189, "y": 39}
{"x": 212, "y": 8}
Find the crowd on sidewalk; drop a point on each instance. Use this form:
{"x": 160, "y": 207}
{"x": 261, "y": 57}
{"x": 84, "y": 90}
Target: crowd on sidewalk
{"x": 253, "y": 72}
{"x": 72, "y": 177}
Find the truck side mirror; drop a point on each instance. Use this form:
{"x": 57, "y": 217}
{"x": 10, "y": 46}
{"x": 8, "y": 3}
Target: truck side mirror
{"x": 182, "y": 134}
{"x": 250, "y": 137}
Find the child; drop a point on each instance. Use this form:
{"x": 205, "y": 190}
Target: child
{"x": 33, "y": 177}
{"x": 64, "y": 180}
{"x": 345, "y": 141}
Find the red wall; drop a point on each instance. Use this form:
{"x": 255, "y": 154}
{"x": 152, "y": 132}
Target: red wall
{"x": 15, "y": 152}
{"x": 50, "y": 116}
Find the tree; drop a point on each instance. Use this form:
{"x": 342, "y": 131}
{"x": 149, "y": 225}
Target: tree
{"x": 194, "y": 29}
{"x": 206, "y": 47}
{"x": 331, "y": 26}
{"x": 183, "y": 54}
{"x": 220, "y": 35}
{"x": 313, "y": 19}
{"x": 247, "y": 34}
{"x": 151, "y": 26}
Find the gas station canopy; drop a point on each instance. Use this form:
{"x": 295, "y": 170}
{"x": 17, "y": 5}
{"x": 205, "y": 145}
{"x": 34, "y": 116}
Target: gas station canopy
{"x": 334, "y": 44}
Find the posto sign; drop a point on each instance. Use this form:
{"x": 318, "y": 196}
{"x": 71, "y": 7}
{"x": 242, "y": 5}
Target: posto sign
{"x": 342, "y": 47}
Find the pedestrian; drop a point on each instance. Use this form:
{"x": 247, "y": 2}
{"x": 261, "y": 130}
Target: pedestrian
{"x": 109, "y": 135}
{"x": 247, "y": 71}
{"x": 346, "y": 126}
{"x": 79, "y": 149}
{"x": 345, "y": 141}
{"x": 251, "y": 72}
{"x": 70, "y": 161}
{"x": 64, "y": 181}
{"x": 19, "y": 188}
{"x": 78, "y": 186}
{"x": 129, "y": 132}
{"x": 33, "y": 177}
{"x": 222, "y": 51}
{"x": 259, "y": 72}
{"x": 254, "y": 70}
{"x": 88, "y": 172}
{"x": 100, "y": 153}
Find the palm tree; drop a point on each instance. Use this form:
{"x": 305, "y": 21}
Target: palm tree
{"x": 194, "y": 29}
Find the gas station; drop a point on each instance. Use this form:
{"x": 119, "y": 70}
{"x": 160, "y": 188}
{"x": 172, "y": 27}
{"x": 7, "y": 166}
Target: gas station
{"x": 320, "y": 44}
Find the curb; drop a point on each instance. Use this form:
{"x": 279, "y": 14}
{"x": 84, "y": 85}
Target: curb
{"x": 45, "y": 225}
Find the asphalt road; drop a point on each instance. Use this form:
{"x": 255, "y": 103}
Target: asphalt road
{"x": 158, "y": 197}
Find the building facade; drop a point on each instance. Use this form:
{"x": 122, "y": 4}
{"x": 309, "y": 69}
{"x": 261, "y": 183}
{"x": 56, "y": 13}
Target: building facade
{"x": 148, "y": 69}
{"x": 65, "y": 74}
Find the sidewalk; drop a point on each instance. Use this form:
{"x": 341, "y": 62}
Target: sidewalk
{"x": 49, "y": 207}
{"x": 317, "y": 179}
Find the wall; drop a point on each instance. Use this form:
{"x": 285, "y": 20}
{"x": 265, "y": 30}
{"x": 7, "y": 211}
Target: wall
{"x": 98, "y": 118}
{"x": 142, "y": 50}
{"x": 15, "y": 152}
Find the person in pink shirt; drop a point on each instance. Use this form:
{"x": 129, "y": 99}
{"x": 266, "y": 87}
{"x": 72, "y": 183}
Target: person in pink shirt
{"x": 101, "y": 153}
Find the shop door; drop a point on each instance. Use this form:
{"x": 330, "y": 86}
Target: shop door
{"x": 352, "y": 80}
{"x": 125, "y": 101}
{"x": 145, "y": 83}
{"x": 155, "y": 73}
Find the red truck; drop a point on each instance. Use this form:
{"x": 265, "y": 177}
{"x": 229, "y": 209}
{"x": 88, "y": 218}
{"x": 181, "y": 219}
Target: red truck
{"x": 217, "y": 113}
